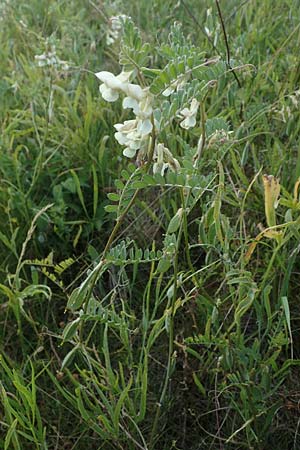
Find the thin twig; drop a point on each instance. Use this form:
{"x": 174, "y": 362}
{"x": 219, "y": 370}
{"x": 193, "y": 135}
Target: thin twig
{"x": 190, "y": 13}
{"x": 226, "y": 43}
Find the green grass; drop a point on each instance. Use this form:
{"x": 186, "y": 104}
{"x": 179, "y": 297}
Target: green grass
{"x": 189, "y": 338}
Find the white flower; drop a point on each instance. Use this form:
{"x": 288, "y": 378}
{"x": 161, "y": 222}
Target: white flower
{"x": 51, "y": 59}
{"x": 127, "y": 134}
{"x": 131, "y": 103}
{"x": 142, "y": 109}
{"x": 139, "y": 101}
{"x": 112, "y": 85}
{"x": 189, "y": 115}
{"x": 115, "y": 27}
{"x": 145, "y": 107}
{"x": 134, "y": 91}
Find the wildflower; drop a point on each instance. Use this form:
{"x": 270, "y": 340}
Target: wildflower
{"x": 142, "y": 108}
{"x": 112, "y": 84}
{"x": 132, "y": 133}
{"x": 115, "y": 27}
{"x": 51, "y": 59}
{"x": 189, "y": 115}
{"x": 128, "y": 134}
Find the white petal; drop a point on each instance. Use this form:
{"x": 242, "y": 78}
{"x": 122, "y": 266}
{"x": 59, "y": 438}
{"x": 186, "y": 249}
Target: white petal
{"x": 42, "y": 63}
{"x": 129, "y": 152}
{"x": 105, "y": 76}
{"x": 144, "y": 127}
{"x": 40, "y": 57}
{"x": 134, "y": 91}
{"x": 129, "y": 126}
{"x": 155, "y": 168}
{"x": 121, "y": 138}
{"x": 124, "y": 76}
{"x": 118, "y": 126}
{"x": 110, "y": 80}
{"x": 110, "y": 95}
{"x": 134, "y": 144}
{"x": 194, "y": 106}
{"x": 185, "y": 112}
{"x": 163, "y": 168}
{"x": 126, "y": 127}
{"x": 132, "y": 103}
{"x": 188, "y": 122}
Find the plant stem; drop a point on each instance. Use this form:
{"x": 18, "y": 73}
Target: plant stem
{"x": 171, "y": 342}
{"x": 116, "y": 228}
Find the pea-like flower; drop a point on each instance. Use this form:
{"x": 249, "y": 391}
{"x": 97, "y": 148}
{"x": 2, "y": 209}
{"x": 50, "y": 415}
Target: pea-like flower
{"x": 115, "y": 28}
{"x": 189, "y": 115}
{"x": 134, "y": 134}
{"x": 142, "y": 109}
{"x": 112, "y": 84}
{"x": 128, "y": 134}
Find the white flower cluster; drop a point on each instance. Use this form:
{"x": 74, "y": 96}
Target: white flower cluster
{"x": 134, "y": 134}
{"x": 51, "y": 59}
{"x": 3, "y": 9}
{"x": 114, "y": 28}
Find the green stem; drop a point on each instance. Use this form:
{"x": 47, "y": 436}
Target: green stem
{"x": 116, "y": 228}
{"x": 171, "y": 342}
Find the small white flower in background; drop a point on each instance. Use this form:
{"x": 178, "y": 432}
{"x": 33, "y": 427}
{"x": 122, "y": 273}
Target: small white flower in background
{"x": 112, "y": 84}
{"x": 295, "y": 98}
{"x": 164, "y": 160}
{"x": 114, "y": 29}
{"x": 189, "y": 115}
{"x": 51, "y": 59}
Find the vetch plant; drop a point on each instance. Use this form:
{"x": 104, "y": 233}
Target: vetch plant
{"x": 160, "y": 103}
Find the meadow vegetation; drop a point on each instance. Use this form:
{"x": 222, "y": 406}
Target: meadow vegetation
{"x": 149, "y": 299}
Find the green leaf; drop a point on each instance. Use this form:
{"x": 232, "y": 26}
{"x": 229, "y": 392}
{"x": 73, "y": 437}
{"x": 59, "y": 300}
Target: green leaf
{"x": 76, "y": 299}
{"x": 113, "y": 196}
{"x": 70, "y": 330}
{"x": 175, "y": 222}
{"x": 79, "y": 191}
{"x": 286, "y": 309}
{"x": 111, "y": 208}
{"x": 199, "y": 384}
{"x": 163, "y": 265}
{"x": 69, "y": 356}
